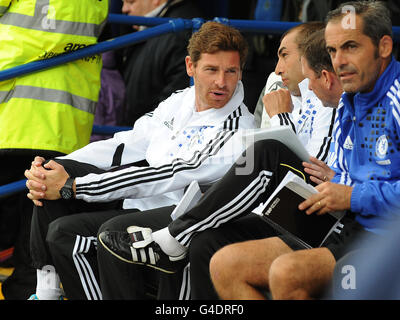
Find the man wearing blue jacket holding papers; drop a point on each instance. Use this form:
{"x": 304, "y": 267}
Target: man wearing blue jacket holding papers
{"x": 366, "y": 183}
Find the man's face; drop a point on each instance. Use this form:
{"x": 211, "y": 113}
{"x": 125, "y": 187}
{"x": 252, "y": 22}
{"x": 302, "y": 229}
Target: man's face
{"x": 354, "y": 56}
{"x": 138, "y": 7}
{"x": 215, "y": 78}
{"x": 289, "y": 67}
{"x": 318, "y": 85}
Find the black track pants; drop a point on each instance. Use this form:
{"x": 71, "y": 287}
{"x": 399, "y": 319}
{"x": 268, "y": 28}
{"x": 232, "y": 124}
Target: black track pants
{"x": 121, "y": 280}
{"x": 59, "y": 238}
{"x": 221, "y": 217}
{"x": 239, "y": 191}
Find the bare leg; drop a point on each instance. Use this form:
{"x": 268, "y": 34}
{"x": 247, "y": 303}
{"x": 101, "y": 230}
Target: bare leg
{"x": 302, "y": 274}
{"x": 241, "y": 270}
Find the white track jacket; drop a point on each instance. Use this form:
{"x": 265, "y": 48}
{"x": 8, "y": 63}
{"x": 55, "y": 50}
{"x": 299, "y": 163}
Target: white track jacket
{"x": 310, "y": 120}
{"x": 180, "y": 145}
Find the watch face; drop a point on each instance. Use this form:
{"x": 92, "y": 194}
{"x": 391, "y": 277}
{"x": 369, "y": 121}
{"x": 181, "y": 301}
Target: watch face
{"x": 66, "y": 193}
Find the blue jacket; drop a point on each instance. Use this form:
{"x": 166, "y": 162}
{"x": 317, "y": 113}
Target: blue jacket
{"x": 367, "y": 146}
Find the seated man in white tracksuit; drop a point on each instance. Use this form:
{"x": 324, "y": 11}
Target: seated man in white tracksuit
{"x": 189, "y": 136}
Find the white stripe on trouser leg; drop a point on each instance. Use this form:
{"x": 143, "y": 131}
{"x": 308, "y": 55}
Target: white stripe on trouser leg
{"x": 85, "y": 272}
{"x": 185, "y": 286}
{"x": 231, "y": 209}
{"x": 91, "y": 279}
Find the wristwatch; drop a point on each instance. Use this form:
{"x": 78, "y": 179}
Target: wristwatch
{"x": 66, "y": 191}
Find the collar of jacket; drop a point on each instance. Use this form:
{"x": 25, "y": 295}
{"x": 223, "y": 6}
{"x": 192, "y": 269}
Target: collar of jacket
{"x": 305, "y": 93}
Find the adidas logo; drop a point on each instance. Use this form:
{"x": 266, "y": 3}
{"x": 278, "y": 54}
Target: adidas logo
{"x": 348, "y": 144}
{"x": 170, "y": 124}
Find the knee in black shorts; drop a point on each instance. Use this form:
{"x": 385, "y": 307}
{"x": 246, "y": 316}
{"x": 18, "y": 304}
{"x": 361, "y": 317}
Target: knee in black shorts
{"x": 201, "y": 248}
{"x": 268, "y": 144}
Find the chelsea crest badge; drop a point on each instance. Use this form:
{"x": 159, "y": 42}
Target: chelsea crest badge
{"x": 381, "y": 147}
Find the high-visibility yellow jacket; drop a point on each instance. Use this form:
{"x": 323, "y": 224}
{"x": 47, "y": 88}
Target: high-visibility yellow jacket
{"x": 51, "y": 109}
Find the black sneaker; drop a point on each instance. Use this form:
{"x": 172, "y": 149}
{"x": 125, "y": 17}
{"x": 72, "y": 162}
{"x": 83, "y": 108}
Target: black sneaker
{"x": 137, "y": 246}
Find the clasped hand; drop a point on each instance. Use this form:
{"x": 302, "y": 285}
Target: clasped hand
{"x": 45, "y": 181}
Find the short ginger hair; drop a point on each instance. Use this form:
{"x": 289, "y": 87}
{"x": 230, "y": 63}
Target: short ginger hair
{"x": 213, "y": 37}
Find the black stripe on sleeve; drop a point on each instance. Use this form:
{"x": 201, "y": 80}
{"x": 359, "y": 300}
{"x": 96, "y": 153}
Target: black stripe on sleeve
{"x": 324, "y": 150}
{"x": 118, "y": 155}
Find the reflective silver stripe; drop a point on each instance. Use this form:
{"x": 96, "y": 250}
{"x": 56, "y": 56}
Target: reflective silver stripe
{"x": 42, "y": 21}
{"x": 5, "y": 96}
{"x": 49, "y": 95}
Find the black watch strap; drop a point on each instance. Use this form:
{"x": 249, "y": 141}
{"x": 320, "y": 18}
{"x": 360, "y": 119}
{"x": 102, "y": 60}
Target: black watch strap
{"x": 66, "y": 191}
{"x": 69, "y": 182}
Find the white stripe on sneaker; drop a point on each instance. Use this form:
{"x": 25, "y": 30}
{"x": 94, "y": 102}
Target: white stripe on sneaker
{"x": 151, "y": 256}
{"x": 143, "y": 255}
